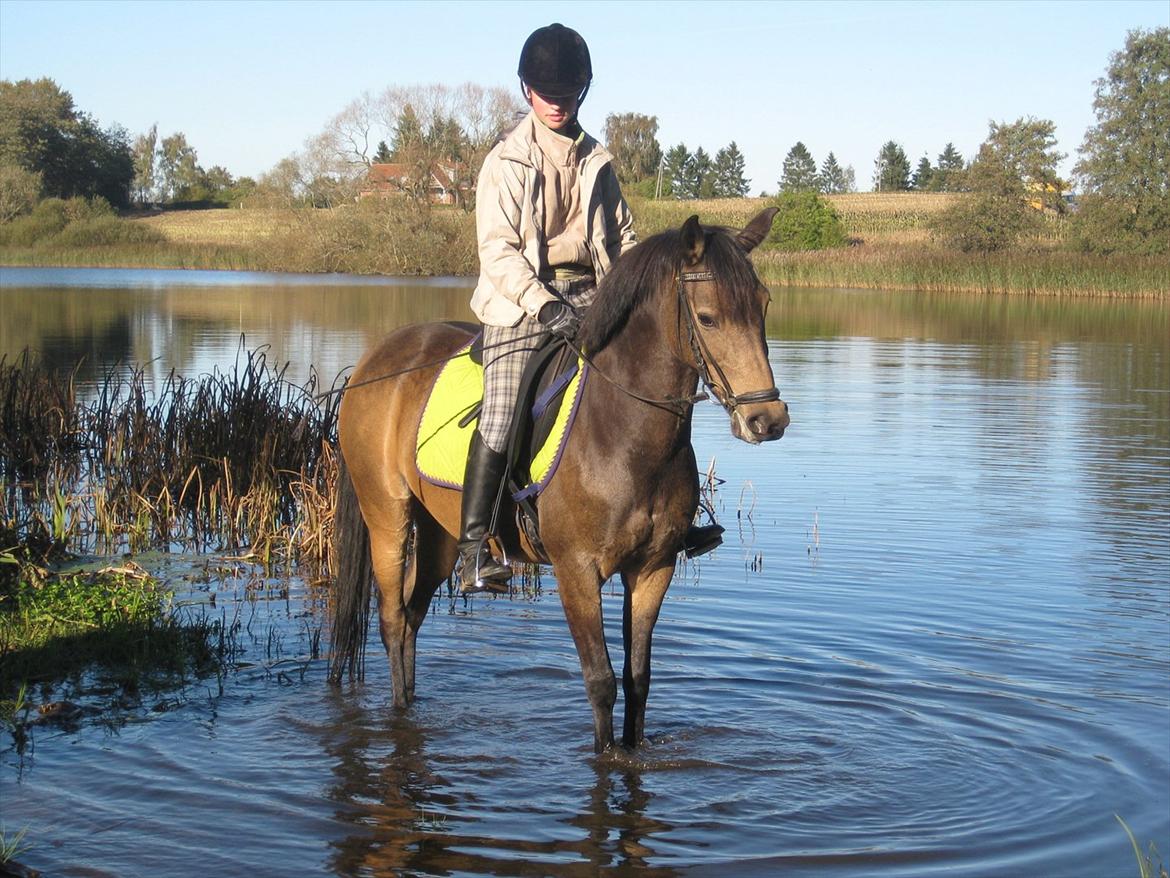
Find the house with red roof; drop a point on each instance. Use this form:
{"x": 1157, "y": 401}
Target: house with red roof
{"x": 385, "y": 178}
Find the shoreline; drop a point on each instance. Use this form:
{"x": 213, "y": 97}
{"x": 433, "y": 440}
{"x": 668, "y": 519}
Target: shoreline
{"x": 919, "y": 270}
{"x": 889, "y": 248}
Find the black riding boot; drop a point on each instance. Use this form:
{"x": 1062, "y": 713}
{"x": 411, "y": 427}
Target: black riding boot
{"x": 701, "y": 540}
{"x": 481, "y": 485}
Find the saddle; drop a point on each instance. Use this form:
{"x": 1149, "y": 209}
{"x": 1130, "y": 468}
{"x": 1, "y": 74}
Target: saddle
{"x": 546, "y": 406}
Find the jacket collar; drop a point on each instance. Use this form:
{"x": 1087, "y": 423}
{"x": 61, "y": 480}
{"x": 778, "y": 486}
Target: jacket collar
{"x": 519, "y": 145}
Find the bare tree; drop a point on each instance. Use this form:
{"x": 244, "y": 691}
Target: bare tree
{"x": 354, "y": 132}
{"x": 444, "y": 127}
{"x": 429, "y": 128}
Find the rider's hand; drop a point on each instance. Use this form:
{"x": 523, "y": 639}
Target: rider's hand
{"x": 560, "y": 318}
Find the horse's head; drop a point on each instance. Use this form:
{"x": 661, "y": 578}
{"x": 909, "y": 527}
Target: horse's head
{"x": 722, "y": 305}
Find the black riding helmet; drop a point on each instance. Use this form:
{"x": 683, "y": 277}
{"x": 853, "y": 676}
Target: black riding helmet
{"x": 555, "y": 63}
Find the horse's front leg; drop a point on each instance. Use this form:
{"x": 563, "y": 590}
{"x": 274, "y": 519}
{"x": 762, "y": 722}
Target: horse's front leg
{"x": 581, "y": 598}
{"x": 644, "y": 592}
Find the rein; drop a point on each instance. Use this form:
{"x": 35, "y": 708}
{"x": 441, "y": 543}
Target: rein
{"x": 678, "y": 405}
{"x": 347, "y": 386}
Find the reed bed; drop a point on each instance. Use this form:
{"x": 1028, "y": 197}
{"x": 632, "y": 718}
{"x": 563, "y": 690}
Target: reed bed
{"x": 1036, "y": 271}
{"x": 239, "y": 461}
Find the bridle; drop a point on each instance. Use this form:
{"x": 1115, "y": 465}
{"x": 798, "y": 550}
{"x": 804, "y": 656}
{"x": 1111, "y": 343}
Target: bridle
{"x": 705, "y": 362}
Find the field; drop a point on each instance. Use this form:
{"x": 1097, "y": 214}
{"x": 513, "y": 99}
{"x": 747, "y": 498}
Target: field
{"x": 222, "y": 227}
{"x": 890, "y": 246}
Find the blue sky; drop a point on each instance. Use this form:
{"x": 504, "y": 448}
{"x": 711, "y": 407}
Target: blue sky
{"x": 248, "y": 82}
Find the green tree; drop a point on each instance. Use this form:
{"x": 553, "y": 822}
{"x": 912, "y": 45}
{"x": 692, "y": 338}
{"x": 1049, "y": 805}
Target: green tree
{"x": 983, "y": 222}
{"x": 1124, "y": 166}
{"x": 891, "y": 171}
{"x": 676, "y": 172}
{"x": 800, "y": 171}
{"x": 1019, "y": 154}
{"x": 383, "y": 154}
{"x": 179, "y": 171}
{"x": 19, "y": 191}
{"x": 701, "y": 176}
{"x": 408, "y": 135}
{"x": 947, "y": 171}
{"x": 632, "y": 138}
{"x": 922, "y": 175}
{"x": 729, "y": 181}
{"x": 1013, "y": 172}
{"x": 805, "y": 222}
{"x": 145, "y": 158}
{"x": 43, "y": 132}
{"x": 832, "y": 176}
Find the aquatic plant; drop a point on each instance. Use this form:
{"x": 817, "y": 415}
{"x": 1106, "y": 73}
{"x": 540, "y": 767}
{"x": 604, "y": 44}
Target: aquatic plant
{"x": 1149, "y": 864}
{"x": 12, "y": 846}
{"x": 240, "y": 461}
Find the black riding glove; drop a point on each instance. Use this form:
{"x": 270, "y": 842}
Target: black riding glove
{"x": 560, "y": 318}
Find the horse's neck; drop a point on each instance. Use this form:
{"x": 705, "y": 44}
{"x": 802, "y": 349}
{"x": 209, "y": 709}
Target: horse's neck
{"x": 642, "y": 359}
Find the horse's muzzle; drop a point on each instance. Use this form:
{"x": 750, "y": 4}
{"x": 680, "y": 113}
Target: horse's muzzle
{"x": 760, "y": 423}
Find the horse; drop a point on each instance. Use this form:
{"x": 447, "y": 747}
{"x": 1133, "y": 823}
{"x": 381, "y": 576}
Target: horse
{"x": 682, "y": 306}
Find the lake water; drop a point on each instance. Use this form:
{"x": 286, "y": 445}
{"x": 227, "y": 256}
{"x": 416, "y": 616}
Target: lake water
{"x": 936, "y": 639}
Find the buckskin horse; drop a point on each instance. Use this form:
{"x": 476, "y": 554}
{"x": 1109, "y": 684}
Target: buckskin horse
{"x": 683, "y": 305}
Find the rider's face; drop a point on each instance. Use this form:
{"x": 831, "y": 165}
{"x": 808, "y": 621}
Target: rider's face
{"x": 554, "y": 112}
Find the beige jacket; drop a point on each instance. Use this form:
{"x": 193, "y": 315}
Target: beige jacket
{"x": 509, "y": 222}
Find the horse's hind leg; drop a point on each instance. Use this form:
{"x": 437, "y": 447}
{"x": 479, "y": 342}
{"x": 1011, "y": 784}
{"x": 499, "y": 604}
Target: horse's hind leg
{"x": 389, "y": 536}
{"x": 644, "y": 592}
{"x": 432, "y": 562}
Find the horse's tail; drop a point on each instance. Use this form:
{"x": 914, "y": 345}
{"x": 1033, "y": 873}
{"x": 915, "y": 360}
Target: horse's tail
{"x": 351, "y": 585}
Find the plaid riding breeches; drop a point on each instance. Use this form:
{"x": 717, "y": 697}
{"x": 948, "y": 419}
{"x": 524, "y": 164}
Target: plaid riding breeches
{"x": 507, "y": 350}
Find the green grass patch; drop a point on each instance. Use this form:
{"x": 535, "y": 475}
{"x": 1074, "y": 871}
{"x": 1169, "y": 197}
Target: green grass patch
{"x": 116, "y": 624}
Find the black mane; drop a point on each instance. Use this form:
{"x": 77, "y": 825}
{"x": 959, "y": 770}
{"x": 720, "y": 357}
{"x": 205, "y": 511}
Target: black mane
{"x": 652, "y": 266}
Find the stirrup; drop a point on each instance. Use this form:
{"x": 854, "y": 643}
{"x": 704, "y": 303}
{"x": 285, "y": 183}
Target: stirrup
{"x": 497, "y": 576}
{"x": 701, "y": 540}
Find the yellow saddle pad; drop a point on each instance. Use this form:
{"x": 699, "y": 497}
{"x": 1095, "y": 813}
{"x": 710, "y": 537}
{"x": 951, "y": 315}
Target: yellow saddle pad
{"x": 444, "y": 439}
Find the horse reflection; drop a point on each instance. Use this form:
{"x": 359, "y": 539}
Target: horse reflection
{"x": 407, "y": 817}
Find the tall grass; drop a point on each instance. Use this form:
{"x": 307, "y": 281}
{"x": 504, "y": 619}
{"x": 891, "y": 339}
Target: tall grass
{"x": 240, "y": 461}
{"x": 1037, "y": 271}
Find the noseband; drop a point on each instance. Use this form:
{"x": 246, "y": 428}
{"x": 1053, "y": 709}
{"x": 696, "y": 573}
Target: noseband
{"x": 703, "y": 359}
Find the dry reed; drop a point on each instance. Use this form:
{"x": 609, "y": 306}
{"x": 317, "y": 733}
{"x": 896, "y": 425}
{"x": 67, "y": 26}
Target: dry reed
{"x": 236, "y": 461}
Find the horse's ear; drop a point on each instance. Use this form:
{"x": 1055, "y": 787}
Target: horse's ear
{"x": 757, "y": 229}
{"x": 694, "y": 240}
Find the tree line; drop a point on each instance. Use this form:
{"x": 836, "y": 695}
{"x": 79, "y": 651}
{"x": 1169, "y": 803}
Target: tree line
{"x": 51, "y": 148}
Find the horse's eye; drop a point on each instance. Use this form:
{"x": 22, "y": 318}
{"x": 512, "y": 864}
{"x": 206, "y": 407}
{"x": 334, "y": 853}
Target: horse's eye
{"x": 706, "y": 320}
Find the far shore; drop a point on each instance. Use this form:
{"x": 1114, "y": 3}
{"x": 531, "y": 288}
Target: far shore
{"x": 890, "y": 248}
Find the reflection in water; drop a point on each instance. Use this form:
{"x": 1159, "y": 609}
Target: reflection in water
{"x": 618, "y": 822}
{"x": 408, "y": 818}
{"x": 192, "y": 329}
